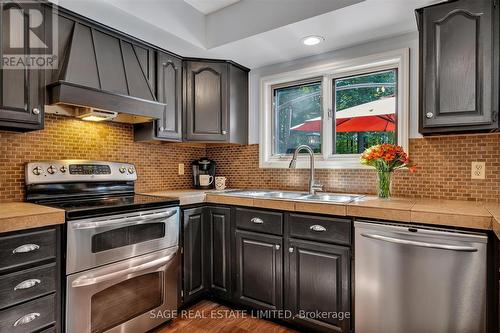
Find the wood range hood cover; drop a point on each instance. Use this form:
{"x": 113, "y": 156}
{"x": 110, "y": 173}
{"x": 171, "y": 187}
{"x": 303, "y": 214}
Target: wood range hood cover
{"x": 104, "y": 72}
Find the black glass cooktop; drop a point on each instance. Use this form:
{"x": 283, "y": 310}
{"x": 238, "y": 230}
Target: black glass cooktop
{"x": 106, "y": 205}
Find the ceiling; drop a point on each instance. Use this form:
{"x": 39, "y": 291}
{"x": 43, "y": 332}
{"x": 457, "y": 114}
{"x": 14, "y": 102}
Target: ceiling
{"x": 210, "y": 6}
{"x": 254, "y": 33}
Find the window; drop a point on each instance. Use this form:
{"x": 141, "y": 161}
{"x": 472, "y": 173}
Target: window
{"x": 339, "y": 110}
{"x": 365, "y": 111}
{"x": 297, "y": 116}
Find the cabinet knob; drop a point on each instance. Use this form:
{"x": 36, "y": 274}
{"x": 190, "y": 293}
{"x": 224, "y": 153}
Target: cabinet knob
{"x": 317, "y": 228}
{"x": 162, "y": 129}
{"x": 27, "y": 284}
{"x": 429, "y": 115}
{"x": 257, "y": 220}
{"x": 290, "y": 249}
{"x": 26, "y": 248}
{"x": 224, "y": 132}
{"x": 28, "y": 318}
{"x": 277, "y": 246}
{"x": 36, "y": 111}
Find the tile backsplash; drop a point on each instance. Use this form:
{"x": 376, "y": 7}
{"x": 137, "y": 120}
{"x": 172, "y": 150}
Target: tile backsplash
{"x": 444, "y": 163}
{"x": 444, "y": 167}
{"x": 70, "y": 138}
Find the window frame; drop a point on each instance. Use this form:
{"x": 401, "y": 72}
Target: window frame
{"x": 396, "y": 59}
{"x": 291, "y": 84}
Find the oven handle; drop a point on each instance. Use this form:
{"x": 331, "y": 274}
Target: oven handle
{"x": 88, "y": 281}
{"x": 149, "y": 218}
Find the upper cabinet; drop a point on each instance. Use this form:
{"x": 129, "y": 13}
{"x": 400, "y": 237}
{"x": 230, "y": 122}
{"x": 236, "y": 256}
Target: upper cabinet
{"x": 458, "y": 66}
{"x": 22, "y": 86}
{"x": 216, "y": 102}
{"x": 168, "y": 92}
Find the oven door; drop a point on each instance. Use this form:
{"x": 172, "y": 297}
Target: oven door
{"x": 102, "y": 240}
{"x": 133, "y": 295}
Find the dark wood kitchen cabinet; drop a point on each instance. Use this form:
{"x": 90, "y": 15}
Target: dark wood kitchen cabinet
{"x": 219, "y": 252}
{"x": 458, "y": 66}
{"x": 317, "y": 278}
{"x": 195, "y": 277}
{"x": 169, "y": 92}
{"x": 22, "y": 87}
{"x": 259, "y": 270}
{"x": 216, "y": 102}
{"x": 30, "y": 280}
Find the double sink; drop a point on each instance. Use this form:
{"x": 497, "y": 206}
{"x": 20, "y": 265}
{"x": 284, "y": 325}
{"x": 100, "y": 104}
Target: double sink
{"x": 318, "y": 197}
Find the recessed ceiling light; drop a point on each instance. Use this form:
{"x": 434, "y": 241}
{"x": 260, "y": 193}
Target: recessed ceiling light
{"x": 312, "y": 40}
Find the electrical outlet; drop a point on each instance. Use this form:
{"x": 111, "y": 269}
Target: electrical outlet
{"x": 181, "y": 168}
{"x": 478, "y": 170}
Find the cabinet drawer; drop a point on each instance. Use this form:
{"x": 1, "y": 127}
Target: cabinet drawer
{"x": 28, "y": 317}
{"x": 318, "y": 228}
{"x": 22, "y": 286}
{"x": 259, "y": 220}
{"x": 26, "y": 248}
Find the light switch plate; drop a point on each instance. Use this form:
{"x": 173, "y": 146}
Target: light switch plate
{"x": 478, "y": 170}
{"x": 181, "y": 168}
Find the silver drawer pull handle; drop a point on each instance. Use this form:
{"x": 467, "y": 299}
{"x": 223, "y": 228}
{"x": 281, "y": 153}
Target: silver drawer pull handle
{"x": 257, "y": 220}
{"x": 28, "y": 318}
{"x": 25, "y": 248}
{"x": 27, "y": 284}
{"x": 317, "y": 228}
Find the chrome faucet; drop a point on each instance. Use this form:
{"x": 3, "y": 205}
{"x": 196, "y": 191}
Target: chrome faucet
{"x": 313, "y": 186}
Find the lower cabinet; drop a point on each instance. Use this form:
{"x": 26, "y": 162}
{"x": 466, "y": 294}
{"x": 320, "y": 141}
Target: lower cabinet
{"x": 317, "y": 285}
{"x": 271, "y": 260}
{"x": 195, "y": 277}
{"x": 259, "y": 275}
{"x": 206, "y": 248}
{"x": 218, "y": 243}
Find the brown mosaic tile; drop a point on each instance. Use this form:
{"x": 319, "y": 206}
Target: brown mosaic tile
{"x": 70, "y": 138}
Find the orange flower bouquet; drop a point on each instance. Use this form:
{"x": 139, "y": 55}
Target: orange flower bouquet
{"x": 386, "y": 158}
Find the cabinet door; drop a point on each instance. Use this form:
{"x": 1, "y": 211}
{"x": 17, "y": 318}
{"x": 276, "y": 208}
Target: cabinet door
{"x": 169, "y": 92}
{"x": 206, "y": 101}
{"x": 259, "y": 270}
{"x": 317, "y": 279}
{"x": 219, "y": 254}
{"x": 21, "y": 99}
{"x": 458, "y": 67}
{"x": 194, "y": 264}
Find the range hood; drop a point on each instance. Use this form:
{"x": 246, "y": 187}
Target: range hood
{"x": 100, "y": 71}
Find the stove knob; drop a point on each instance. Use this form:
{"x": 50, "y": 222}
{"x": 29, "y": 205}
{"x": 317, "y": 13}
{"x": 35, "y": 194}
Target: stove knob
{"x": 122, "y": 170}
{"x": 131, "y": 170}
{"x": 51, "y": 170}
{"x": 37, "y": 171}
{"x": 63, "y": 169}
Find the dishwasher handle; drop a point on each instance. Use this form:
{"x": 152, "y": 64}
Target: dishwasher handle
{"x": 421, "y": 244}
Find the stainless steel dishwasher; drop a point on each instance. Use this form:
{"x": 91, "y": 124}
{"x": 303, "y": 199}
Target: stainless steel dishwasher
{"x": 414, "y": 279}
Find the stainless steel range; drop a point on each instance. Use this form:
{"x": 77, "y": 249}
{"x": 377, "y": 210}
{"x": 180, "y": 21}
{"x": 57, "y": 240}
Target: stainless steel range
{"x": 122, "y": 248}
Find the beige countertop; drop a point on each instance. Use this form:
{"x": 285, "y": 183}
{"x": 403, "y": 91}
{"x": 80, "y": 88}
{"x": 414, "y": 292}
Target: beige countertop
{"x": 466, "y": 214}
{"x": 494, "y": 209}
{"x": 21, "y": 215}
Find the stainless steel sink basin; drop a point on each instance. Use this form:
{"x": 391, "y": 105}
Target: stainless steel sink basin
{"x": 326, "y": 197}
{"x": 340, "y": 198}
{"x": 267, "y": 194}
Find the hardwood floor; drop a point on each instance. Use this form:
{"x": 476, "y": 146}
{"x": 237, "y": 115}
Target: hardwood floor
{"x": 207, "y": 317}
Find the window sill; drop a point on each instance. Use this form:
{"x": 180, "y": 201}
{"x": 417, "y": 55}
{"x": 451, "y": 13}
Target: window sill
{"x": 348, "y": 162}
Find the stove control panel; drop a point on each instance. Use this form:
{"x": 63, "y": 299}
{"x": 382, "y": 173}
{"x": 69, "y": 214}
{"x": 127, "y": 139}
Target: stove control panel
{"x": 63, "y": 171}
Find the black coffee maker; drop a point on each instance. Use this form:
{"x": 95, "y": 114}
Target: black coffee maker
{"x": 203, "y": 167}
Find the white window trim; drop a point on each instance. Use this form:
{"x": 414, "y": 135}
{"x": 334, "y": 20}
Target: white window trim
{"x": 399, "y": 59}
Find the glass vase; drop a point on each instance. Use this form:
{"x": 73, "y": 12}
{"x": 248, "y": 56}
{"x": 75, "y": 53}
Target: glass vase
{"x": 384, "y": 184}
